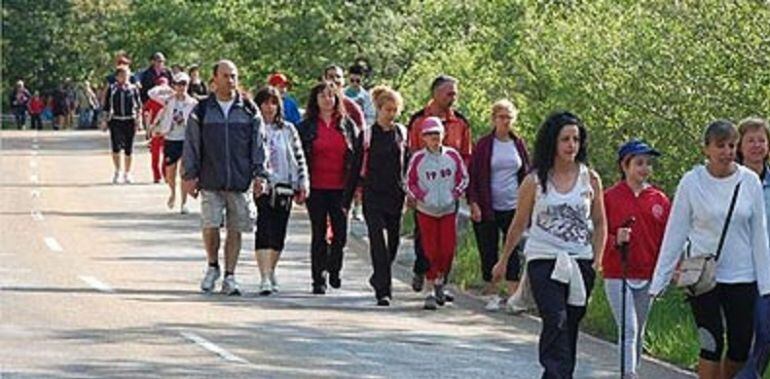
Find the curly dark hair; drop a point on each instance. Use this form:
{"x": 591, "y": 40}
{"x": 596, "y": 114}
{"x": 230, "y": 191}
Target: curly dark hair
{"x": 547, "y": 141}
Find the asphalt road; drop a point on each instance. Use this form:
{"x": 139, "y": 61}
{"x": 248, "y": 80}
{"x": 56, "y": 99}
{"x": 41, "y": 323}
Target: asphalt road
{"x": 101, "y": 281}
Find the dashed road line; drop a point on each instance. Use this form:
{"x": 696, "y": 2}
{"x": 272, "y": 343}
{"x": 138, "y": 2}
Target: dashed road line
{"x": 37, "y": 215}
{"x": 33, "y": 164}
{"x": 212, "y": 347}
{"x": 34, "y": 178}
{"x": 53, "y": 244}
{"x": 96, "y": 283}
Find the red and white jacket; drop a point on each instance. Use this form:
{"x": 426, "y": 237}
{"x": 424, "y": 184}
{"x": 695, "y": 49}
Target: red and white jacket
{"x": 436, "y": 180}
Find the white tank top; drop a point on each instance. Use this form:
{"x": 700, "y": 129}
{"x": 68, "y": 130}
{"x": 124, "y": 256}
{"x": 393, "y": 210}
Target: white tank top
{"x": 561, "y": 222}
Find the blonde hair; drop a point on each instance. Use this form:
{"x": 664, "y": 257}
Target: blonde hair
{"x": 382, "y": 94}
{"x": 505, "y": 104}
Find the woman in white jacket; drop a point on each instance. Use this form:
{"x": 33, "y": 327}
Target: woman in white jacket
{"x": 171, "y": 125}
{"x": 698, "y": 214}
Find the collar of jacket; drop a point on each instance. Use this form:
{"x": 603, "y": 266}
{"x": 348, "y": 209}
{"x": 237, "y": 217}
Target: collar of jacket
{"x": 432, "y": 110}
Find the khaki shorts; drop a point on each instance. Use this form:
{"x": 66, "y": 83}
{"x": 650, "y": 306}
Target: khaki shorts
{"x": 238, "y": 207}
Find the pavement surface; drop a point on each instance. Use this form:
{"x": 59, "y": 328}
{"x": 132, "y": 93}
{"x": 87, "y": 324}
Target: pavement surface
{"x": 101, "y": 281}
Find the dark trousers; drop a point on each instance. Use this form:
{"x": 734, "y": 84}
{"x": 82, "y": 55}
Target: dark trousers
{"x": 20, "y": 115}
{"x": 37, "y": 123}
{"x": 383, "y": 229}
{"x": 323, "y": 204}
{"x": 557, "y": 346}
{"x": 727, "y": 309}
{"x": 488, "y": 241}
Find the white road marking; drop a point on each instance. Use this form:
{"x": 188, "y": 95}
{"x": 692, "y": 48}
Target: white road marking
{"x": 35, "y": 193}
{"x": 34, "y": 178}
{"x": 37, "y": 216}
{"x": 96, "y": 283}
{"x": 210, "y": 346}
{"x": 33, "y": 164}
{"x": 53, "y": 244}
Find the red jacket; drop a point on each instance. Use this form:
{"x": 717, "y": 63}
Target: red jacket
{"x": 36, "y": 105}
{"x": 650, "y": 209}
{"x": 457, "y": 131}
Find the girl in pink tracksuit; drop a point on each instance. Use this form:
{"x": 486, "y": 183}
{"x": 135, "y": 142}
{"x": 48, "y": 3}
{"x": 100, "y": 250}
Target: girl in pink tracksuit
{"x": 436, "y": 178}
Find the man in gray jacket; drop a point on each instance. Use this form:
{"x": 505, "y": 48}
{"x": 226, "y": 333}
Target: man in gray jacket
{"x": 224, "y": 160}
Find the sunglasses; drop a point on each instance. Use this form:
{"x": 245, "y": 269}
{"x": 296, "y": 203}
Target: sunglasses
{"x": 356, "y": 80}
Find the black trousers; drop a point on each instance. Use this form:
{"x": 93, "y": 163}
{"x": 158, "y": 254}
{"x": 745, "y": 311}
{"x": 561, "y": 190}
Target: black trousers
{"x": 37, "y": 123}
{"x": 488, "y": 241}
{"x": 557, "y": 346}
{"x": 383, "y": 229}
{"x": 320, "y": 205}
{"x": 730, "y": 305}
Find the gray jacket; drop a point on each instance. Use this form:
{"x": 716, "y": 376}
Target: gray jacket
{"x": 225, "y": 153}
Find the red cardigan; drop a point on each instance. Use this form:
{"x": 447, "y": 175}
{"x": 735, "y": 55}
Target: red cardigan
{"x": 651, "y": 209}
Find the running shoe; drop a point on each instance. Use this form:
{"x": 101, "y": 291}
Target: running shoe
{"x": 431, "y": 303}
{"x": 319, "y": 289}
{"x": 383, "y": 301}
{"x": 440, "y": 295}
{"x": 334, "y": 280}
{"x": 230, "y": 287}
{"x": 116, "y": 178}
{"x": 274, "y": 281}
{"x": 265, "y": 288}
{"x": 493, "y": 305}
{"x": 184, "y": 210}
{"x": 418, "y": 280}
{"x": 210, "y": 279}
{"x": 128, "y": 179}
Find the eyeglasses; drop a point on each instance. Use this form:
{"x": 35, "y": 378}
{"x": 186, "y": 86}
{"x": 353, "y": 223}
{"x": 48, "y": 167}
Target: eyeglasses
{"x": 355, "y": 80}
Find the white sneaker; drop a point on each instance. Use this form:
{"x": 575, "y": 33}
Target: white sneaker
{"x": 210, "y": 279}
{"x": 265, "y": 288}
{"x": 493, "y": 305}
{"x": 273, "y": 282}
{"x": 230, "y": 287}
{"x": 127, "y": 178}
{"x": 116, "y": 178}
{"x": 184, "y": 210}
{"x": 512, "y": 308}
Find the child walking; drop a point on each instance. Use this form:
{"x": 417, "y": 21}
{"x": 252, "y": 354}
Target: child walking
{"x": 436, "y": 178}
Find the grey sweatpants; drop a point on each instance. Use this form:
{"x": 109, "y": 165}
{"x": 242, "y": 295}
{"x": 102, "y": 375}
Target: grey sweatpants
{"x": 637, "y": 308}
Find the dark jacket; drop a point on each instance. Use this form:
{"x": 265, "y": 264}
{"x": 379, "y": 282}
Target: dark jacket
{"x": 383, "y": 178}
{"x": 149, "y": 79}
{"x": 122, "y": 102}
{"x": 480, "y": 171}
{"x": 308, "y": 131}
{"x": 225, "y": 153}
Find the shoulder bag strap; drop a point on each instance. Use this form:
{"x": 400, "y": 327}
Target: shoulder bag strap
{"x": 727, "y": 220}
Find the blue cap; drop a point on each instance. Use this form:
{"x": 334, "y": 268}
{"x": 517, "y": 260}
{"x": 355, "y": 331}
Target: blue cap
{"x": 636, "y": 147}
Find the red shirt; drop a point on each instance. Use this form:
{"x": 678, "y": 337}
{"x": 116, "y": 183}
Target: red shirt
{"x": 152, "y": 109}
{"x": 328, "y": 163}
{"x": 650, "y": 209}
{"x": 36, "y": 105}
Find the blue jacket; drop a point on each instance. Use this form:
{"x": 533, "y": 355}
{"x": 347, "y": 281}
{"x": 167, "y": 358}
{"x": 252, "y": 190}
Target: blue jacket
{"x": 225, "y": 153}
{"x": 291, "y": 110}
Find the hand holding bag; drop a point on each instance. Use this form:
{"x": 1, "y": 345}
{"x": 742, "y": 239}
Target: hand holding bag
{"x": 697, "y": 275}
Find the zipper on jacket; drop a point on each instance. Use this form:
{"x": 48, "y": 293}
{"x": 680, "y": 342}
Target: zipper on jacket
{"x": 227, "y": 143}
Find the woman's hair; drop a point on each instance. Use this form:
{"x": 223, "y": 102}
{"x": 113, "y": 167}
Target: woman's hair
{"x": 749, "y": 125}
{"x": 547, "y": 141}
{"x": 505, "y": 104}
{"x": 312, "y": 110}
{"x": 719, "y": 130}
{"x": 382, "y": 94}
{"x": 269, "y": 93}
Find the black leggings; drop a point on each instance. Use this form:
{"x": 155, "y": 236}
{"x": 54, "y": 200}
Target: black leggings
{"x": 488, "y": 241}
{"x": 733, "y": 303}
{"x": 122, "y": 135}
{"x": 320, "y": 205}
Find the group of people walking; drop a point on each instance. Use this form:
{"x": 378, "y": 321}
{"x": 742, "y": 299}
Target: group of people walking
{"x": 250, "y": 163}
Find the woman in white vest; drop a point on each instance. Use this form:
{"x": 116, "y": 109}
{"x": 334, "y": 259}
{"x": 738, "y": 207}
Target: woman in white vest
{"x": 562, "y": 201}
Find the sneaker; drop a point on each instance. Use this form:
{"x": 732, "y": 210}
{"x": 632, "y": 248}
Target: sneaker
{"x": 184, "y": 210}
{"x": 448, "y": 296}
{"x": 265, "y": 288}
{"x": 230, "y": 287}
{"x": 273, "y": 281}
{"x": 210, "y": 279}
{"x": 440, "y": 295}
{"x": 128, "y": 179}
{"x": 383, "y": 301}
{"x": 493, "y": 305}
{"x": 116, "y": 178}
{"x": 335, "y": 281}
{"x": 418, "y": 280}
{"x": 430, "y": 303}
{"x": 319, "y": 289}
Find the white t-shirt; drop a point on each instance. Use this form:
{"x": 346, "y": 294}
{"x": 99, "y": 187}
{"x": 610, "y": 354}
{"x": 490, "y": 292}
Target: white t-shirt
{"x": 506, "y": 162}
{"x": 225, "y": 105}
{"x": 698, "y": 213}
{"x": 278, "y": 166}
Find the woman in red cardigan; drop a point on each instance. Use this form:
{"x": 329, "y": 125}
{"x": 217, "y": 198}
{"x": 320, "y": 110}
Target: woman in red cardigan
{"x": 499, "y": 164}
{"x": 633, "y": 204}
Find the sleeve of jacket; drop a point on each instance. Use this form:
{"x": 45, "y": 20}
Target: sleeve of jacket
{"x": 461, "y": 175}
{"x": 191, "y": 154}
{"x": 354, "y": 179}
{"x": 258, "y": 152}
{"x": 303, "y": 179}
{"x": 473, "y": 181}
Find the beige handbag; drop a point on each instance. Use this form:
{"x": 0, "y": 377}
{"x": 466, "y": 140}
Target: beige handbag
{"x": 698, "y": 275}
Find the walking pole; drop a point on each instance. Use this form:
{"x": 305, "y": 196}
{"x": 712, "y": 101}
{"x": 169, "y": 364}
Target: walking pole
{"x": 624, "y": 291}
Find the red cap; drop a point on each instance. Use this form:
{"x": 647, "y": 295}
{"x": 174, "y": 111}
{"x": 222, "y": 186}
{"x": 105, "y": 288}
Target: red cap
{"x": 277, "y": 80}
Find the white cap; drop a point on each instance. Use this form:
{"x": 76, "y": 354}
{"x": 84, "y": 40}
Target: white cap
{"x": 181, "y": 77}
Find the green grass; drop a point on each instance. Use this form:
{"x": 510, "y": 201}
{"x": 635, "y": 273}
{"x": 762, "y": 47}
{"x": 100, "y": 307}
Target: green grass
{"x": 671, "y": 334}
